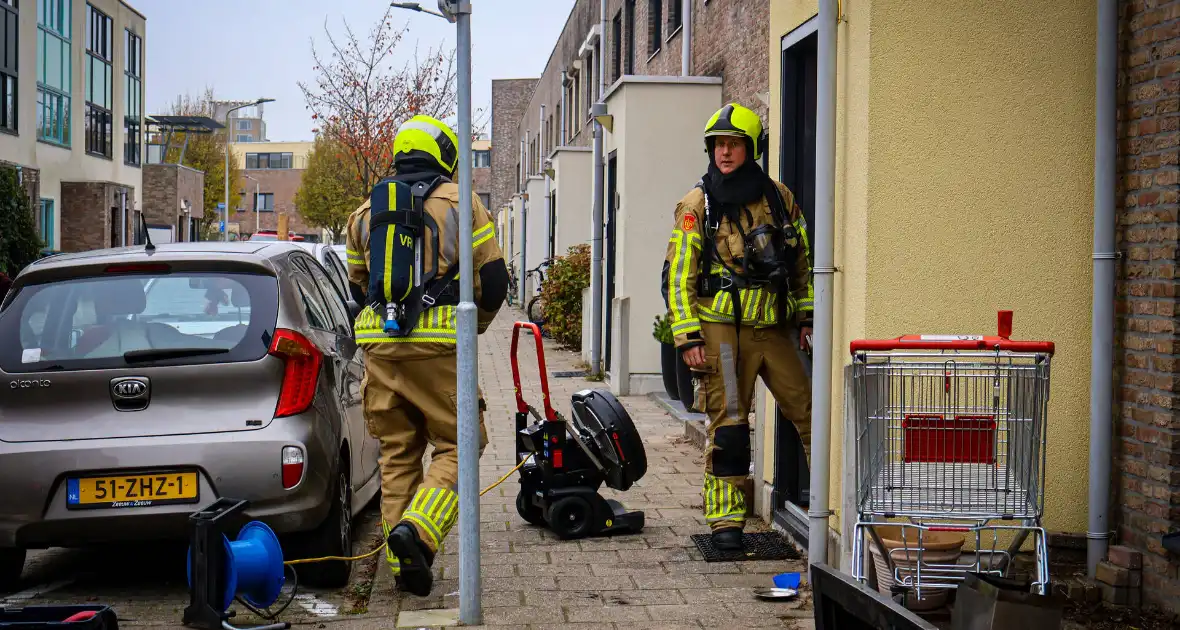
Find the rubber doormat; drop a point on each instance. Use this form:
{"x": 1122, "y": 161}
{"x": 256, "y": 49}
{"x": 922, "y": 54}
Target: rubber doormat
{"x": 573, "y": 374}
{"x": 759, "y": 546}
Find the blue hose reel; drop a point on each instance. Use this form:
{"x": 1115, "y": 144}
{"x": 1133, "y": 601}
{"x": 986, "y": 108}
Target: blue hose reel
{"x": 220, "y": 569}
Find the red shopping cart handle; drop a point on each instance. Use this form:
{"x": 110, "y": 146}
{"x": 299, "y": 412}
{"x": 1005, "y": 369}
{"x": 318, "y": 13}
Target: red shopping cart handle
{"x": 950, "y": 342}
{"x": 1000, "y": 341}
{"x": 521, "y": 405}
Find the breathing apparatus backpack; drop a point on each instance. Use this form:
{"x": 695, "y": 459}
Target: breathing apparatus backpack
{"x": 399, "y": 288}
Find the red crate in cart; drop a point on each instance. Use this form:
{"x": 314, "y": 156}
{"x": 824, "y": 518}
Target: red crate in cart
{"x": 965, "y": 439}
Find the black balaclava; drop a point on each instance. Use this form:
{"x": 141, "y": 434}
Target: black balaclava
{"x": 739, "y": 188}
{"x": 412, "y": 168}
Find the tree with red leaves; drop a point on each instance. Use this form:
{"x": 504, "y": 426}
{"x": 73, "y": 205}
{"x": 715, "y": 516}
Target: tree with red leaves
{"x": 360, "y": 96}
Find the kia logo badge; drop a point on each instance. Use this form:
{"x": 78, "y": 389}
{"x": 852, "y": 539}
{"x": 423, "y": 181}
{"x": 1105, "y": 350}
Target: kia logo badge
{"x": 130, "y": 393}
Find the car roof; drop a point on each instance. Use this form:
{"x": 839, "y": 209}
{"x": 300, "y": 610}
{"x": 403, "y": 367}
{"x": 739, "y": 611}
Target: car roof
{"x": 239, "y": 253}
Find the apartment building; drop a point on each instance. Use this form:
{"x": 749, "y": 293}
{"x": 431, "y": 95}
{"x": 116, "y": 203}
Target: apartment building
{"x": 654, "y": 103}
{"x": 271, "y": 175}
{"x": 246, "y": 124}
{"x": 71, "y": 115}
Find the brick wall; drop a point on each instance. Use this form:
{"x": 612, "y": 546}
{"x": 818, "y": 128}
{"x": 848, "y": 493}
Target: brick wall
{"x": 481, "y": 180}
{"x": 510, "y": 97}
{"x": 165, "y": 189}
{"x": 283, "y": 183}
{"x": 87, "y": 209}
{"x": 1147, "y": 445}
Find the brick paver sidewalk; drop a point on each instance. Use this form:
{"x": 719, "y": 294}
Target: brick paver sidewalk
{"x": 656, "y": 579}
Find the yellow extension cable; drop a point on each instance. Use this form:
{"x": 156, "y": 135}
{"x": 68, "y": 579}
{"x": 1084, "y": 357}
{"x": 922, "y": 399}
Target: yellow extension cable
{"x": 382, "y": 546}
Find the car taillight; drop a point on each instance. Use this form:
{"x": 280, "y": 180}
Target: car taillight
{"x": 301, "y": 374}
{"x": 292, "y": 466}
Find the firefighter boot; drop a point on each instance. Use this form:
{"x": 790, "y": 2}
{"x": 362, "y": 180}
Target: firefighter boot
{"x": 415, "y": 559}
{"x": 728, "y": 539}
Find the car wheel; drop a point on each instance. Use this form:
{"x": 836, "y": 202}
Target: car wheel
{"x": 333, "y": 537}
{"x": 12, "y": 563}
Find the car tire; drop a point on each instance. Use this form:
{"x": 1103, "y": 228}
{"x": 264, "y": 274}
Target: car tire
{"x": 333, "y": 537}
{"x": 12, "y": 564}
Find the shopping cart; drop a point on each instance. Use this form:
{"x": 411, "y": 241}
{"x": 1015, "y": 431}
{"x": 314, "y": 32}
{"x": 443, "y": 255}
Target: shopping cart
{"x": 950, "y": 438}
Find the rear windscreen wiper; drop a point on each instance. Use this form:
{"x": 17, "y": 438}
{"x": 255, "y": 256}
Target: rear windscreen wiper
{"x": 136, "y": 356}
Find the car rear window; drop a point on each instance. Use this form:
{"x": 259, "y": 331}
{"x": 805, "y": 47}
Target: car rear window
{"x": 118, "y": 321}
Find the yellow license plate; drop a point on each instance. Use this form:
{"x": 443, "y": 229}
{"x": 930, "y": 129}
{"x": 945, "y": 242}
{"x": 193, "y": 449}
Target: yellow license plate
{"x": 132, "y": 490}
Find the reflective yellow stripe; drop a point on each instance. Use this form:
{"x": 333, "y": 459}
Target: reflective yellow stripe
{"x": 682, "y": 256}
{"x": 390, "y": 237}
{"x": 349, "y": 252}
{"x": 395, "y": 565}
{"x": 723, "y": 501}
{"x": 483, "y": 235}
{"x": 435, "y": 510}
{"x": 435, "y": 325}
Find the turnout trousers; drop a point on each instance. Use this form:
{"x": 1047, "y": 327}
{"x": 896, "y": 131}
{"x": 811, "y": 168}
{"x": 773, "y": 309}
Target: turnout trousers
{"x": 733, "y": 362}
{"x": 409, "y": 404}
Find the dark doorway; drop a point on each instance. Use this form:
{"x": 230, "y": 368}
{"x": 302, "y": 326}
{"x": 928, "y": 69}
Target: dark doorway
{"x": 610, "y": 215}
{"x": 792, "y": 478}
{"x": 553, "y": 225}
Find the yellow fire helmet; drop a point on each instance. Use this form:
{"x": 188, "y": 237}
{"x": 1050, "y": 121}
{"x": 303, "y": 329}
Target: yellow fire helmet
{"x": 428, "y": 138}
{"x": 735, "y": 120}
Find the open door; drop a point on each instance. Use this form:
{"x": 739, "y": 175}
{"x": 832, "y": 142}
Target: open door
{"x": 792, "y": 478}
{"x": 610, "y": 215}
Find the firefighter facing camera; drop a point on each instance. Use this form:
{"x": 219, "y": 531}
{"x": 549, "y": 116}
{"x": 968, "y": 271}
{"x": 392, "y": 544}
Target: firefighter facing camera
{"x": 403, "y": 260}
{"x": 737, "y": 284}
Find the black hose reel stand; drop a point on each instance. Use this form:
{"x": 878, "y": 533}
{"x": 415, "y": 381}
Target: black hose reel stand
{"x": 567, "y": 461}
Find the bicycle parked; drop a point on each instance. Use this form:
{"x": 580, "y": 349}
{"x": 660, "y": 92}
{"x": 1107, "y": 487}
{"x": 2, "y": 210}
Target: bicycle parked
{"x": 536, "y": 306}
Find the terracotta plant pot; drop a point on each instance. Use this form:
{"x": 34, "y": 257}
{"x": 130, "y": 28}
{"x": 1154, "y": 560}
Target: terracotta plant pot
{"x": 938, "y": 548}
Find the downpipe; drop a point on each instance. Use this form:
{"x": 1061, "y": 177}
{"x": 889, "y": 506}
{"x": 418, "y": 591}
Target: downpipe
{"x": 824, "y": 270}
{"x": 596, "y": 271}
{"x": 1102, "y": 327}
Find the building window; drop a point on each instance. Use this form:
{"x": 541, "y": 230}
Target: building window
{"x": 629, "y": 24}
{"x": 485, "y": 199}
{"x": 9, "y": 45}
{"x": 99, "y": 82}
{"x": 655, "y": 25}
{"x": 46, "y": 221}
{"x": 53, "y": 71}
{"x": 133, "y": 78}
{"x": 616, "y": 46}
{"x": 244, "y": 137}
{"x": 268, "y": 160}
{"x": 481, "y": 159}
{"x": 674, "y": 18}
{"x": 243, "y": 125}
{"x": 264, "y": 202}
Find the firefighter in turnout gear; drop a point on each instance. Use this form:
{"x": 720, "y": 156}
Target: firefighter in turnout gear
{"x": 737, "y": 283}
{"x": 408, "y": 331}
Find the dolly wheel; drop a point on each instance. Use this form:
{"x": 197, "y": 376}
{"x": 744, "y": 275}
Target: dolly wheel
{"x": 570, "y": 517}
{"x": 531, "y": 514}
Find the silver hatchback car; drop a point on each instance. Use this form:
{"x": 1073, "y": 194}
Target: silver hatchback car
{"x": 137, "y": 386}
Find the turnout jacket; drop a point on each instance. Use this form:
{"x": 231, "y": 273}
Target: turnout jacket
{"x": 435, "y": 332}
{"x": 759, "y": 304}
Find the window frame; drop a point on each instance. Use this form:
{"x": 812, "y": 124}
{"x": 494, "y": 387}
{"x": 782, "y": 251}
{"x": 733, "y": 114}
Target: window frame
{"x": 629, "y": 27}
{"x": 9, "y": 68}
{"x": 616, "y": 46}
{"x": 309, "y": 292}
{"x": 99, "y": 124}
{"x": 46, "y": 215}
{"x": 334, "y": 298}
{"x": 266, "y": 196}
{"x": 133, "y": 82}
{"x": 655, "y": 27}
{"x": 55, "y": 101}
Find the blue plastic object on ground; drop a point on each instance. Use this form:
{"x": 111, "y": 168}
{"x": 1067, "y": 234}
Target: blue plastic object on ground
{"x": 787, "y": 580}
{"x": 253, "y": 566}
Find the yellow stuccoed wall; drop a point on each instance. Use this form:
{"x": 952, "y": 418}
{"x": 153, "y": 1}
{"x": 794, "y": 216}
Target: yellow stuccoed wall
{"x": 965, "y": 134}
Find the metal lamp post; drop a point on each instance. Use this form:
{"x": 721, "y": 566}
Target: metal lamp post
{"x": 228, "y": 131}
{"x": 470, "y": 587}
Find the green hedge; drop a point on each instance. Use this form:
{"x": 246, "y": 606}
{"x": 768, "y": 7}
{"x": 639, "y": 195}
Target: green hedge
{"x": 561, "y": 294}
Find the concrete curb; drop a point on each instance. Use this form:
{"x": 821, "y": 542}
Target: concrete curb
{"x": 694, "y": 423}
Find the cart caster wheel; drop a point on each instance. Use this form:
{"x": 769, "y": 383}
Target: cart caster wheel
{"x": 570, "y": 517}
{"x": 531, "y": 514}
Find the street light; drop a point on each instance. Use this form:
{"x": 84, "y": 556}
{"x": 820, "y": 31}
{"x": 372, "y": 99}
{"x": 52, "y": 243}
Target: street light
{"x": 470, "y": 588}
{"x": 229, "y": 131}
